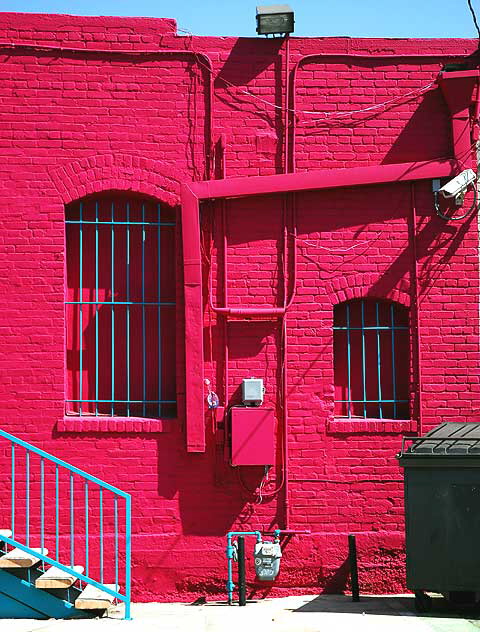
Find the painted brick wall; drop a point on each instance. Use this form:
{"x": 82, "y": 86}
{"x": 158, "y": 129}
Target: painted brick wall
{"x": 76, "y": 123}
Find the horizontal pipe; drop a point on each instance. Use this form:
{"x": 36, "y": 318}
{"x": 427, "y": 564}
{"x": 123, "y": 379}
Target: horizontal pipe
{"x": 231, "y": 534}
{"x": 313, "y": 57}
{"x": 261, "y": 312}
{"x": 368, "y": 56}
{"x": 358, "y": 55}
{"x": 250, "y": 311}
{"x": 191, "y": 196}
{"x": 278, "y": 532}
{"x": 318, "y": 179}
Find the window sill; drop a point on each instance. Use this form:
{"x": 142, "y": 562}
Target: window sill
{"x": 371, "y": 426}
{"x": 110, "y": 425}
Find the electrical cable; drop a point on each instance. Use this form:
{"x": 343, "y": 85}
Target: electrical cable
{"x": 340, "y": 251}
{"x": 392, "y": 102}
{"x": 244, "y": 486}
{"x": 198, "y": 57}
{"x": 474, "y": 17}
{"x": 297, "y": 112}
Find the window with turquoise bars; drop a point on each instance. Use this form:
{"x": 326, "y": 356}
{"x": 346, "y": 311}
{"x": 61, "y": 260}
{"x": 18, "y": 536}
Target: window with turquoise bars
{"x": 120, "y": 307}
{"x": 371, "y": 355}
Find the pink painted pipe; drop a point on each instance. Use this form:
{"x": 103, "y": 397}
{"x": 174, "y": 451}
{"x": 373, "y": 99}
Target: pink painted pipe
{"x": 458, "y": 89}
{"x": 193, "y": 193}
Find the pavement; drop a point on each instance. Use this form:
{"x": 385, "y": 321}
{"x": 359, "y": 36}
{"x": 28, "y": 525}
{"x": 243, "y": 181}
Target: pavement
{"x": 324, "y": 613}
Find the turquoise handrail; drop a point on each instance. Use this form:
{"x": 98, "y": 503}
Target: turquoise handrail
{"x": 64, "y": 464}
{"x": 76, "y": 540}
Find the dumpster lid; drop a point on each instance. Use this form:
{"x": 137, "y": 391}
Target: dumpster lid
{"x": 448, "y": 439}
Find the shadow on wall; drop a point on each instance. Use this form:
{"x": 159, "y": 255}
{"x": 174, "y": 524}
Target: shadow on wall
{"x": 248, "y": 58}
{"x": 426, "y": 136}
{"x": 210, "y": 497}
{"x": 369, "y": 208}
{"x": 421, "y": 121}
{"x": 217, "y": 496}
{"x": 210, "y": 508}
{"x": 244, "y": 64}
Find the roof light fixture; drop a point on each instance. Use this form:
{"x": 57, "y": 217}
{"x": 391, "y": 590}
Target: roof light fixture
{"x": 276, "y": 19}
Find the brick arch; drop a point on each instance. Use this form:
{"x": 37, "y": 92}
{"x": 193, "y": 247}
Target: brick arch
{"x": 119, "y": 172}
{"x": 365, "y": 285}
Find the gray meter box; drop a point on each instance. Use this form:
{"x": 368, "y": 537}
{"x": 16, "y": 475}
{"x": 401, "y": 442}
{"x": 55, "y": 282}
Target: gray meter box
{"x": 267, "y": 560}
{"x": 252, "y": 391}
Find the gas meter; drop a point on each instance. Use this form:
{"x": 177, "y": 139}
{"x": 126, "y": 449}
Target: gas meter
{"x": 267, "y": 560}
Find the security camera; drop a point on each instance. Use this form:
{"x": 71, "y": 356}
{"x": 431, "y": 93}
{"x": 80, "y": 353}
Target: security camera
{"x": 459, "y": 184}
{"x": 456, "y": 188}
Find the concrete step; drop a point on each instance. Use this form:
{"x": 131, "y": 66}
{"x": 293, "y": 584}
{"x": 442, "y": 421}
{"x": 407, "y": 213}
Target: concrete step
{"x": 19, "y": 559}
{"x": 6, "y": 532}
{"x": 56, "y": 578}
{"x": 94, "y": 599}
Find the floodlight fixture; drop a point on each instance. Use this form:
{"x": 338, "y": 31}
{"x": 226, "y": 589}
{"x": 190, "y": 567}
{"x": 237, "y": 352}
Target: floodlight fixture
{"x": 276, "y": 19}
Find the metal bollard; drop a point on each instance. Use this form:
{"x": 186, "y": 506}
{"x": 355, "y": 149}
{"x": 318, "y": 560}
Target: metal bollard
{"x": 352, "y": 556}
{"x": 242, "y": 587}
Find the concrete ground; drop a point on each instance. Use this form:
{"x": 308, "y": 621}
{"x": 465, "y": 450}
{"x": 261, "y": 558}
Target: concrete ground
{"x": 325, "y": 613}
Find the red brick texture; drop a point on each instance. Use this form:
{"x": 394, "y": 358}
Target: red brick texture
{"x": 84, "y": 110}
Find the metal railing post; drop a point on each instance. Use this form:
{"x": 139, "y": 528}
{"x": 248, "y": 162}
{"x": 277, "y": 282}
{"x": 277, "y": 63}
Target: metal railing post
{"x": 38, "y": 482}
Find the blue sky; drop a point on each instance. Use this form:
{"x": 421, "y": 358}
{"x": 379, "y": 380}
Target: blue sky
{"x": 354, "y": 18}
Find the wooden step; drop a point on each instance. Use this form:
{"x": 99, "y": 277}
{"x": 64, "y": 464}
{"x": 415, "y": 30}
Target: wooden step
{"x": 6, "y": 532}
{"x": 56, "y": 578}
{"x": 19, "y": 559}
{"x": 94, "y": 599}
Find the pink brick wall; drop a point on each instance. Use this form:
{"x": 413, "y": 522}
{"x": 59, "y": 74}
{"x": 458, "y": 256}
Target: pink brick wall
{"x": 78, "y": 123}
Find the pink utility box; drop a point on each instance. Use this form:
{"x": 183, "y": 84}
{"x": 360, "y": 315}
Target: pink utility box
{"x": 252, "y": 436}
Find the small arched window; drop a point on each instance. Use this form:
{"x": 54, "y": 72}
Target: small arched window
{"x": 120, "y": 307}
{"x": 371, "y": 359}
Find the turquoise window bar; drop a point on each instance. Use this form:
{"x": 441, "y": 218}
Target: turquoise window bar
{"x": 120, "y": 307}
{"x": 371, "y": 359}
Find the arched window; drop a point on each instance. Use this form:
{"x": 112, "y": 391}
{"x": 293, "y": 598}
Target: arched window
{"x": 371, "y": 359}
{"x": 120, "y": 307}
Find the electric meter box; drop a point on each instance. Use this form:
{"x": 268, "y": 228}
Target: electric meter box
{"x": 252, "y": 436}
{"x": 267, "y": 557}
{"x": 252, "y": 391}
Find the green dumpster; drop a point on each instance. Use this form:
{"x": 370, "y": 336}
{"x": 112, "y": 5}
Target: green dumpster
{"x": 442, "y": 512}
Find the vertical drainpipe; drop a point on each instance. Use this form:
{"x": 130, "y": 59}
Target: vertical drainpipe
{"x": 476, "y": 136}
{"x": 458, "y": 89}
{"x": 416, "y": 306}
{"x": 284, "y": 325}
{"x": 192, "y": 271}
{"x": 226, "y": 350}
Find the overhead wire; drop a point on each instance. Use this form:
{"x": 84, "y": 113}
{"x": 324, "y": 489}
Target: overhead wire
{"x": 340, "y": 251}
{"x": 474, "y": 18}
{"x": 394, "y": 101}
{"x": 418, "y": 91}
